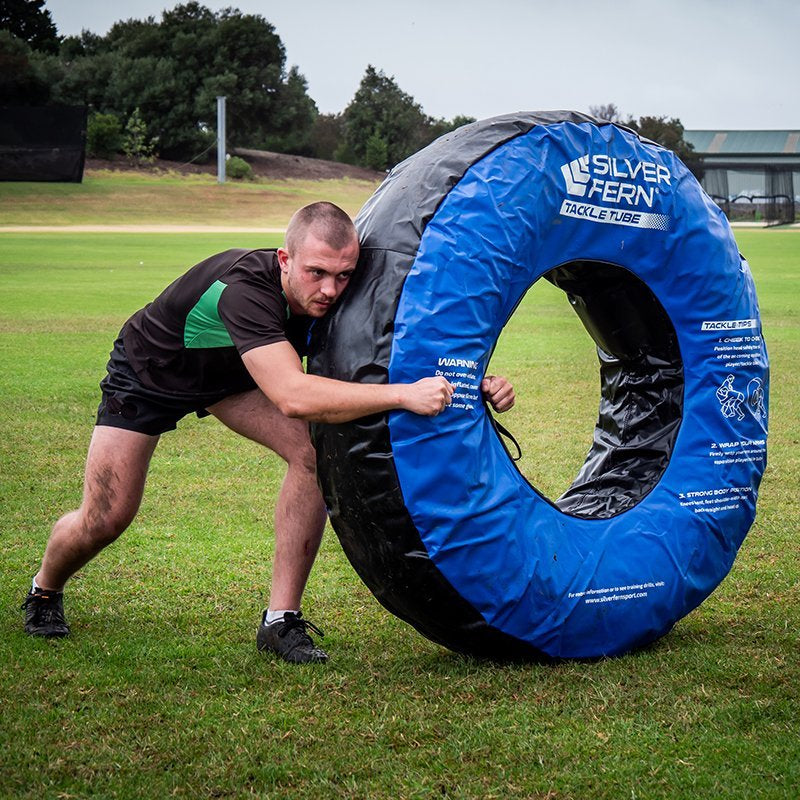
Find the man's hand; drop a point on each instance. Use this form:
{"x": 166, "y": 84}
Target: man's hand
{"x": 498, "y": 392}
{"x": 429, "y": 396}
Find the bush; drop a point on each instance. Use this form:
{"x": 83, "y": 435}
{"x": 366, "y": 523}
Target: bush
{"x": 103, "y": 136}
{"x": 135, "y": 144}
{"x": 238, "y": 169}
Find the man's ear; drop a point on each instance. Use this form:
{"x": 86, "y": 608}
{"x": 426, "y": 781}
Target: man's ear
{"x": 283, "y": 259}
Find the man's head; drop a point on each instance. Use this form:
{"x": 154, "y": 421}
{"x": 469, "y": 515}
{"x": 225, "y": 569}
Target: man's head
{"x": 318, "y": 258}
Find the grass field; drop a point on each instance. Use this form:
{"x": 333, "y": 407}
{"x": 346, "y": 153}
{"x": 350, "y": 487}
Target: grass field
{"x": 160, "y": 692}
{"x": 132, "y": 198}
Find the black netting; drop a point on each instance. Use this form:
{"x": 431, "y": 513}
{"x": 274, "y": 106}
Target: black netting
{"x": 780, "y": 196}
{"x": 715, "y": 182}
{"x": 753, "y": 194}
{"x": 42, "y": 144}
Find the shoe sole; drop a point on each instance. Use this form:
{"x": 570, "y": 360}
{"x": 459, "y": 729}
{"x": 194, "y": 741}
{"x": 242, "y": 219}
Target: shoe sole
{"x": 45, "y": 634}
{"x": 288, "y": 657}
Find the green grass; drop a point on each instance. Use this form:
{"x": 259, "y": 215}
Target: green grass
{"x": 160, "y": 693}
{"x": 131, "y": 198}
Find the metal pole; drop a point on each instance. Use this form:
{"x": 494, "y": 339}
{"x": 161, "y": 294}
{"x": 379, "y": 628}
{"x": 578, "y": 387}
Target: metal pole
{"x": 220, "y": 139}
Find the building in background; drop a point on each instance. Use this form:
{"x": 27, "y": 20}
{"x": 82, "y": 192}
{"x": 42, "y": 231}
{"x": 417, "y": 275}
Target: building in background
{"x": 751, "y": 174}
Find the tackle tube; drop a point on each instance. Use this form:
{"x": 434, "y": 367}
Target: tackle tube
{"x": 431, "y": 511}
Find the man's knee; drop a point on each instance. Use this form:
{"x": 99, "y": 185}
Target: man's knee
{"x": 304, "y": 457}
{"x": 105, "y": 526}
{"x": 108, "y": 508}
{"x": 91, "y": 526}
{"x": 107, "y": 512}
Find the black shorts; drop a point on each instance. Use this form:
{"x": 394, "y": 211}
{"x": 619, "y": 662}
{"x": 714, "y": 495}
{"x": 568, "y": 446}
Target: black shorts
{"x": 127, "y": 403}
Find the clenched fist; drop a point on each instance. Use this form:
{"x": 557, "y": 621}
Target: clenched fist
{"x": 428, "y": 396}
{"x": 498, "y": 392}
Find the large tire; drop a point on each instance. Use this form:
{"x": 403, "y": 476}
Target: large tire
{"x": 432, "y": 513}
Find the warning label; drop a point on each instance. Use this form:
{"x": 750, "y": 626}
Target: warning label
{"x": 467, "y": 393}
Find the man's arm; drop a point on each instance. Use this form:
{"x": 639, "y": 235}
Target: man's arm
{"x": 277, "y": 370}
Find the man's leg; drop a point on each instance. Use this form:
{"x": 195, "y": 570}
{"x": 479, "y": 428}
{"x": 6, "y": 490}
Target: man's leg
{"x": 116, "y": 469}
{"x": 299, "y": 513}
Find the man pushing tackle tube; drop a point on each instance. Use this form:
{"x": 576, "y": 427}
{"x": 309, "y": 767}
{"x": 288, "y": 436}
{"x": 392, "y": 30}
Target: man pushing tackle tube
{"x": 226, "y": 339}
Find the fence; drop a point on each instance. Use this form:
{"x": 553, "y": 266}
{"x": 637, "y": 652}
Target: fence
{"x": 42, "y": 143}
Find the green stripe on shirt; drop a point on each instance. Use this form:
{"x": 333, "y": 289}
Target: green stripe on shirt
{"x": 203, "y": 327}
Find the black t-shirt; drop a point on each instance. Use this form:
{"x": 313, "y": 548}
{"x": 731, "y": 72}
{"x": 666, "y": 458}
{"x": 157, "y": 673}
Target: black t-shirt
{"x": 191, "y": 338}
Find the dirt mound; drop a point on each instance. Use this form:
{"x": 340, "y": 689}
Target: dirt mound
{"x": 276, "y": 166}
{"x": 281, "y": 165}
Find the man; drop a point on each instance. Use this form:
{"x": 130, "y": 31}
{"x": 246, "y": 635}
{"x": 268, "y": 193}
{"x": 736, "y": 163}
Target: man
{"x": 226, "y": 338}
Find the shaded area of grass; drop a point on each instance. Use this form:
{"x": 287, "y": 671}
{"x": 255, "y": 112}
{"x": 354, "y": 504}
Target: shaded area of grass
{"x": 160, "y": 691}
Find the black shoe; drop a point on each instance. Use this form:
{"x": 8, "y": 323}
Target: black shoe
{"x": 44, "y": 614}
{"x": 290, "y": 640}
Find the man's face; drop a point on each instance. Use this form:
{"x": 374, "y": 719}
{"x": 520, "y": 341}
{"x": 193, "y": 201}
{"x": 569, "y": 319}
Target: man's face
{"x": 315, "y": 274}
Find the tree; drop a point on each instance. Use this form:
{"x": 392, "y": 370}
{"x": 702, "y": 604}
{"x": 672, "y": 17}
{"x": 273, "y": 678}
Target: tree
{"x": 174, "y": 69}
{"x": 85, "y": 80}
{"x": 21, "y": 82}
{"x": 30, "y": 21}
{"x": 103, "y": 136}
{"x": 326, "y": 135}
{"x": 668, "y": 133}
{"x": 439, "y": 127}
{"x": 609, "y": 112}
{"x": 136, "y": 144}
{"x": 382, "y": 118}
{"x": 293, "y": 118}
{"x": 87, "y": 44}
{"x": 380, "y": 109}
{"x": 460, "y": 120}
{"x": 376, "y": 153}
{"x": 250, "y": 58}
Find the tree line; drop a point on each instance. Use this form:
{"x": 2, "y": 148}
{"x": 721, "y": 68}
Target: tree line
{"x": 151, "y": 87}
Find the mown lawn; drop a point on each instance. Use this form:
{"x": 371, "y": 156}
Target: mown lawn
{"x": 132, "y": 198}
{"x": 160, "y": 691}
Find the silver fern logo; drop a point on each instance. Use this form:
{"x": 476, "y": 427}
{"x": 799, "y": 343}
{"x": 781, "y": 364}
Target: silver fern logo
{"x": 622, "y": 190}
{"x": 577, "y": 176}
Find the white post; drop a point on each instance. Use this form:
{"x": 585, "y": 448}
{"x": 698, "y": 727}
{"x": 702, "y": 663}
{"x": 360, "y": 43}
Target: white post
{"x": 220, "y": 139}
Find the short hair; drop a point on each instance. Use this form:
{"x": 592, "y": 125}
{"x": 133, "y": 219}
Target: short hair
{"x": 326, "y": 220}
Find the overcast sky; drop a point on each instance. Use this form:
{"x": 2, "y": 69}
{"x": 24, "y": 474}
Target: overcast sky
{"x": 723, "y": 64}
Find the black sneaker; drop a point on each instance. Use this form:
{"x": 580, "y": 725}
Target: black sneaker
{"x": 44, "y": 614}
{"x": 290, "y": 640}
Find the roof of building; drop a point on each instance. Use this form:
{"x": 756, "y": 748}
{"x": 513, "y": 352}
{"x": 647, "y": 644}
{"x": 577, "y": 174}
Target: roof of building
{"x": 738, "y": 143}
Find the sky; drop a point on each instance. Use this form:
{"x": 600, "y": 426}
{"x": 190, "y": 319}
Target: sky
{"x": 714, "y": 64}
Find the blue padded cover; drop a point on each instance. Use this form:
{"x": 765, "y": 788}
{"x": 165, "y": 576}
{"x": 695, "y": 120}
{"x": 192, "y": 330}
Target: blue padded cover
{"x": 576, "y": 587}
